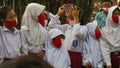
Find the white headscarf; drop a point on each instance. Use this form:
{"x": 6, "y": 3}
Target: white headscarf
{"x": 111, "y": 31}
{"x": 58, "y": 57}
{"x": 110, "y": 25}
{"x": 33, "y": 31}
{"x": 93, "y": 45}
{"x": 91, "y": 28}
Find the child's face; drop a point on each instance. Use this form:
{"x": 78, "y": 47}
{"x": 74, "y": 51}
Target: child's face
{"x": 106, "y": 4}
{"x": 116, "y": 12}
{"x": 11, "y": 15}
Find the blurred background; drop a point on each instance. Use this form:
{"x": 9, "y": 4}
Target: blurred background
{"x": 88, "y": 7}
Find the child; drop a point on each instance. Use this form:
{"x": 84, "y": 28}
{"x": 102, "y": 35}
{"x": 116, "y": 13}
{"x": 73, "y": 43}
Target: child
{"x": 33, "y": 28}
{"x": 56, "y": 53}
{"x": 72, "y": 42}
{"x": 92, "y": 56}
{"x": 110, "y": 40}
{"x": 11, "y": 40}
{"x": 101, "y": 16}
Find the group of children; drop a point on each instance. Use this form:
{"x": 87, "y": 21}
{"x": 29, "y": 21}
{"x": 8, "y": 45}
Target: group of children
{"x": 70, "y": 45}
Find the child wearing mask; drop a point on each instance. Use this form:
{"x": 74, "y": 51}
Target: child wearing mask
{"x": 33, "y": 28}
{"x": 11, "y": 39}
{"x": 92, "y": 56}
{"x": 72, "y": 42}
{"x": 56, "y": 53}
{"x": 110, "y": 39}
{"x": 101, "y": 16}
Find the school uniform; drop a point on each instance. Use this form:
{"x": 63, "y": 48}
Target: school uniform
{"x": 11, "y": 44}
{"x": 57, "y": 57}
{"x": 91, "y": 47}
{"x": 72, "y": 34}
{"x": 33, "y": 31}
{"x": 109, "y": 42}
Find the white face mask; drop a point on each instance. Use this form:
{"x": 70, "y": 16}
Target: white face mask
{"x": 106, "y": 9}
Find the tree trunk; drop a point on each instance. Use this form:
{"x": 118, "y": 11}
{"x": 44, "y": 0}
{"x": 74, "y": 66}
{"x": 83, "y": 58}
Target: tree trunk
{"x": 52, "y": 6}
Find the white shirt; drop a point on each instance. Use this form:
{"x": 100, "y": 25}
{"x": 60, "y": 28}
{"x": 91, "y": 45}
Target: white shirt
{"x": 33, "y": 31}
{"x": 69, "y": 31}
{"x": 110, "y": 40}
{"x": 57, "y": 57}
{"x": 12, "y": 44}
{"x": 107, "y": 47}
{"x": 91, "y": 47}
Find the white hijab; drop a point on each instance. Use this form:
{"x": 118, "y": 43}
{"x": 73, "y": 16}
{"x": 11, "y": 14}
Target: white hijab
{"x": 110, "y": 25}
{"x": 59, "y": 58}
{"x": 91, "y": 28}
{"x": 33, "y": 31}
{"x": 93, "y": 44}
{"x": 111, "y": 31}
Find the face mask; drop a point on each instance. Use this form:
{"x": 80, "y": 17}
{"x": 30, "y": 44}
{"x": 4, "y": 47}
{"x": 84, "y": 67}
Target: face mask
{"x": 97, "y": 34}
{"x": 10, "y": 23}
{"x": 41, "y": 19}
{"x": 115, "y": 19}
{"x": 71, "y": 22}
{"x": 57, "y": 42}
{"x": 106, "y": 8}
{"x": 68, "y": 20}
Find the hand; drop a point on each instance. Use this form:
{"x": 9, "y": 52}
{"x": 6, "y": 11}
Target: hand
{"x": 109, "y": 66}
{"x": 61, "y": 10}
{"x": 88, "y": 64}
{"x": 41, "y": 54}
{"x": 46, "y": 12}
{"x": 118, "y": 3}
{"x": 75, "y": 14}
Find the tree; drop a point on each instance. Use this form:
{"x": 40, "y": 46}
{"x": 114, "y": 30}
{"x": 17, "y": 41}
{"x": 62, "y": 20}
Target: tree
{"x": 52, "y": 6}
